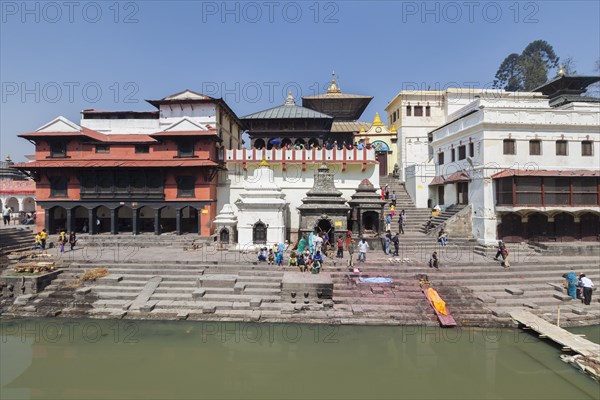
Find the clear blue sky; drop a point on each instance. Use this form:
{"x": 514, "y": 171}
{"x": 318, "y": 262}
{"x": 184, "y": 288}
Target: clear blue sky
{"x": 149, "y": 49}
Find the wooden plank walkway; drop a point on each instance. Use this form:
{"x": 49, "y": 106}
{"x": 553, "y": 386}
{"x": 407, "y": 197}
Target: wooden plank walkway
{"x": 565, "y": 338}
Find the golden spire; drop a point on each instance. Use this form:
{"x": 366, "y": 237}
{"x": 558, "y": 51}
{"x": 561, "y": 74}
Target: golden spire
{"x": 561, "y": 71}
{"x": 333, "y": 88}
{"x": 290, "y": 101}
{"x": 264, "y": 162}
{"x": 377, "y": 120}
{"x": 8, "y": 159}
{"x": 393, "y": 129}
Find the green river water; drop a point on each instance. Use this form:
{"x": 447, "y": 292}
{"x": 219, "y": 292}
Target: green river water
{"x": 88, "y": 359}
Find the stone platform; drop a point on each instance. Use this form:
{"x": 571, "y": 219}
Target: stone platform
{"x": 304, "y": 287}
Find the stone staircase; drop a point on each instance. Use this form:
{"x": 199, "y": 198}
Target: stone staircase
{"x": 442, "y": 217}
{"x": 141, "y": 241}
{"x": 16, "y": 239}
{"x": 415, "y": 217}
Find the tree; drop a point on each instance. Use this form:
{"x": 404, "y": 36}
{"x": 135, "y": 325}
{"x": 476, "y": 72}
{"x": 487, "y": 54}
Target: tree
{"x": 594, "y": 89}
{"x": 527, "y": 70}
{"x": 568, "y": 66}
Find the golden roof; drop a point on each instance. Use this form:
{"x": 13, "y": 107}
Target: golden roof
{"x": 377, "y": 120}
{"x": 333, "y": 87}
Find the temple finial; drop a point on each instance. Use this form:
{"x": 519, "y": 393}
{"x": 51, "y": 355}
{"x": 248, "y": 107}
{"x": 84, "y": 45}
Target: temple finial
{"x": 264, "y": 162}
{"x": 377, "y": 120}
{"x": 333, "y": 88}
{"x": 561, "y": 71}
{"x": 290, "y": 101}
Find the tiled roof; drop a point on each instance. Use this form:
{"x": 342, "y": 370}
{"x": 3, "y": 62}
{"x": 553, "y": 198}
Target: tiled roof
{"x": 176, "y": 162}
{"x": 287, "y": 111}
{"x": 460, "y": 176}
{"x": 349, "y": 126}
{"x": 544, "y": 172}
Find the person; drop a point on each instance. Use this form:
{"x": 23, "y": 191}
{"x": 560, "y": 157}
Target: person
{"x": 387, "y": 192}
{"x": 442, "y": 237}
{"x": 311, "y": 242}
{"x": 317, "y": 263}
{"x": 281, "y": 247}
{"x": 84, "y": 229}
{"x": 360, "y": 146}
{"x": 363, "y": 246}
{"x": 429, "y": 225}
{"x": 505, "y": 262}
{"x": 388, "y": 223}
{"x": 6, "y": 215}
{"x": 394, "y": 198}
{"x": 499, "y": 252}
{"x": 393, "y": 210}
{"x": 340, "y": 247}
{"x": 579, "y": 288}
{"x": 279, "y": 258}
{"x": 38, "y": 241}
{"x": 62, "y": 240}
{"x": 43, "y": 237}
{"x": 302, "y": 261}
{"x": 588, "y": 287}
{"x": 325, "y": 244}
{"x": 383, "y": 194}
{"x": 351, "y": 253}
{"x": 348, "y": 239}
{"x": 270, "y": 257}
{"x": 571, "y": 284}
{"x": 309, "y": 262}
{"x": 396, "y": 241}
{"x": 318, "y": 243}
{"x": 302, "y": 244}
{"x": 98, "y": 224}
{"x": 433, "y": 261}
{"x": 402, "y": 221}
{"x": 262, "y": 254}
{"x": 293, "y": 261}
{"x": 387, "y": 240}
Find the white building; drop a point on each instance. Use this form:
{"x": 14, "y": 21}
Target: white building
{"x": 526, "y": 163}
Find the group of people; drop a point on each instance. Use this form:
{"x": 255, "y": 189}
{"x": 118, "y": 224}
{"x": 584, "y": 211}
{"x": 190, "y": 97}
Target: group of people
{"x": 41, "y": 238}
{"x": 328, "y": 145}
{"x": 579, "y": 287}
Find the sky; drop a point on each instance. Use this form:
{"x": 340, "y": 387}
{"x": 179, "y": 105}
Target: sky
{"x": 58, "y": 58}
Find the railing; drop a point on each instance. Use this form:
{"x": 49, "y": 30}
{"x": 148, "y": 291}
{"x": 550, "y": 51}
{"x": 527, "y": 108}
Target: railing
{"x": 292, "y": 155}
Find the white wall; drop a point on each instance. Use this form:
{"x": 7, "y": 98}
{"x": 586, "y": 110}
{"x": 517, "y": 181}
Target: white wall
{"x": 417, "y": 181}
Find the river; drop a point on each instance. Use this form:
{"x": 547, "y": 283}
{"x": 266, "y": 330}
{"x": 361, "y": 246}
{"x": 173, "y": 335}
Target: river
{"x": 97, "y": 359}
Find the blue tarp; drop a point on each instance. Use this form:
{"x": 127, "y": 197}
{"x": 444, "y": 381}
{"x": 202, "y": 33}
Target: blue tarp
{"x": 376, "y": 280}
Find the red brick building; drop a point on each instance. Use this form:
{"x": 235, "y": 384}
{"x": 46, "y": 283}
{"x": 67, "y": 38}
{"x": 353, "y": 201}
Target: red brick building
{"x": 161, "y": 180}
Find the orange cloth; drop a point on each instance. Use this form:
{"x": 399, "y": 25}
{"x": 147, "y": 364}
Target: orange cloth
{"x": 438, "y": 303}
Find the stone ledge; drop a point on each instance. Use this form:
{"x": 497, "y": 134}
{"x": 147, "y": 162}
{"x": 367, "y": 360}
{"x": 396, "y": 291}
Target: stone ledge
{"x": 562, "y": 297}
{"x": 486, "y": 298}
{"x": 111, "y": 279}
{"x": 198, "y": 293}
{"x": 514, "y": 291}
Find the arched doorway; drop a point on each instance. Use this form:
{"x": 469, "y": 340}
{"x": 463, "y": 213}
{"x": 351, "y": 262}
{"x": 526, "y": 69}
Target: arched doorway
{"x": 124, "y": 219}
{"x": 28, "y": 205}
{"x": 58, "y": 219}
{"x": 146, "y": 220}
{"x": 324, "y": 226}
{"x": 510, "y": 229}
{"x": 80, "y": 218}
{"x": 370, "y": 222}
{"x": 259, "y": 233}
{"x": 537, "y": 226}
{"x": 189, "y": 220}
{"x": 224, "y": 236}
{"x": 273, "y": 143}
{"x": 589, "y": 227}
{"x": 382, "y": 150}
{"x": 13, "y": 204}
{"x": 300, "y": 143}
{"x": 313, "y": 143}
{"x": 102, "y": 222}
{"x": 259, "y": 144}
{"x": 168, "y": 220}
{"x": 565, "y": 228}
{"x": 286, "y": 142}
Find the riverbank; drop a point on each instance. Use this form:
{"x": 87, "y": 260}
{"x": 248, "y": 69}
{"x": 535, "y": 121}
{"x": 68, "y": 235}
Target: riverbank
{"x": 163, "y": 284}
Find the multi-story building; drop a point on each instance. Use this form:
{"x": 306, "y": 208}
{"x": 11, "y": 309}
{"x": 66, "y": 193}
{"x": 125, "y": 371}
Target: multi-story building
{"x": 124, "y": 171}
{"x": 526, "y": 163}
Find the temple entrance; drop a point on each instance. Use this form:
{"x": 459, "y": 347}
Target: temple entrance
{"x": 462, "y": 193}
{"x": 370, "y": 222}
{"x": 167, "y": 220}
{"x": 259, "y": 233}
{"x": 259, "y": 144}
{"x": 382, "y": 157}
{"x": 324, "y": 226}
{"x": 124, "y": 219}
{"x": 440, "y": 195}
{"x": 146, "y": 220}
{"x": 565, "y": 227}
{"x": 58, "y": 220}
{"x": 189, "y": 220}
{"x": 102, "y": 220}
{"x": 511, "y": 228}
{"x": 224, "y": 236}
{"x": 590, "y": 227}
{"x": 537, "y": 226}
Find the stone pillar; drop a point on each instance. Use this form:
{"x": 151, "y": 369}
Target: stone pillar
{"x": 200, "y": 221}
{"x": 135, "y": 221}
{"x": 113, "y": 221}
{"x": 359, "y": 219}
{"x": 47, "y": 220}
{"x": 69, "y": 220}
{"x": 178, "y": 221}
{"x": 91, "y": 221}
{"x": 157, "y": 230}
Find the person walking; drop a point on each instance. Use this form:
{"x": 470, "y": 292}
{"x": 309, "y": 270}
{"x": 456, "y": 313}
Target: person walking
{"x": 387, "y": 192}
{"x": 388, "y": 223}
{"x": 571, "y": 283}
{"x": 318, "y": 243}
{"x": 382, "y": 193}
{"x": 340, "y": 247}
{"x": 402, "y": 221}
{"x": 348, "y": 239}
{"x": 62, "y": 240}
{"x": 351, "y": 254}
{"x": 394, "y": 197}
{"x": 396, "y": 242}
{"x": 363, "y": 246}
{"x": 6, "y": 215}
{"x": 38, "y": 241}
{"x": 43, "y": 238}
{"x": 393, "y": 210}
{"x": 387, "y": 242}
{"x": 588, "y": 286}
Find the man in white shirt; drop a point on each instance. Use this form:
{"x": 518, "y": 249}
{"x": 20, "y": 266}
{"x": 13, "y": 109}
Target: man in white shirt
{"x": 362, "y": 250}
{"x": 318, "y": 243}
{"x": 6, "y": 215}
{"x": 587, "y": 285}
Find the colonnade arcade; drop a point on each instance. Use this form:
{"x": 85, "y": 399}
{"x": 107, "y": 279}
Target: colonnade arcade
{"x": 558, "y": 225}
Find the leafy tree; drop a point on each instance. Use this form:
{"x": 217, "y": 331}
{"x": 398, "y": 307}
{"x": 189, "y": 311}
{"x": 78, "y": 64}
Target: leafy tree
{"x": 527, "y": 70}
{"x": 568, "y": 66}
